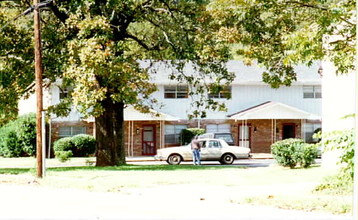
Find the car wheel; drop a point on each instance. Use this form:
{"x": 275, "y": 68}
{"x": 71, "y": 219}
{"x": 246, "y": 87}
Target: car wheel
{"x": 174, "y": 159}
{"x": 227, "y": 159}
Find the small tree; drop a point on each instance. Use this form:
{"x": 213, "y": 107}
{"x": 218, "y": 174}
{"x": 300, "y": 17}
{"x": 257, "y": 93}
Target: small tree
{"x": 188, "y": 134}
{"x": 290, "y": 152}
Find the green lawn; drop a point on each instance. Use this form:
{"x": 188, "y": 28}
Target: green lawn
{"x": 275, "y": 186}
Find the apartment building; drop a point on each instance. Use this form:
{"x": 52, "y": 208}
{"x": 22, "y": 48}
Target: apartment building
{"x": 257, "y": 115}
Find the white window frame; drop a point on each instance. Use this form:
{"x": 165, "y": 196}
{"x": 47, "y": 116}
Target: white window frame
{"x": 312, "y": 92}
{"x": 71, "y": 131}
{"x": 218, "y": 128}
{"x": 176, "y": 92}
{"x": 225, "y": 93}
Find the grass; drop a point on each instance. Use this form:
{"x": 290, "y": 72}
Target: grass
{"x": 273, "y": 186}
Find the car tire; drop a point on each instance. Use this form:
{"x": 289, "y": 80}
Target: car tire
{"x": 174, "y": 159}
{"x": 227, "y": 159}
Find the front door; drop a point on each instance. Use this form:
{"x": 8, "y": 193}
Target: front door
{"x": 244, "y": 135}
{"x": 148, "y": 146}
{"x": 288, "y": 131}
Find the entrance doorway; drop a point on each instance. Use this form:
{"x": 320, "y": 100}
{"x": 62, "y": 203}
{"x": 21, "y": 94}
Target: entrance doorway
{"x": 244, "y": 135}
{"x": 288, "y": 131}
{"x": 148, "y": 140}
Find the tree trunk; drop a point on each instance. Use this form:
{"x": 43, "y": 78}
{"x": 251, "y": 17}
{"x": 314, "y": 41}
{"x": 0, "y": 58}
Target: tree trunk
{"x": 110, "y": 150}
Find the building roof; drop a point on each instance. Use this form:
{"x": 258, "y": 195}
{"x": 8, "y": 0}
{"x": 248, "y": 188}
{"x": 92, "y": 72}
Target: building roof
{"x": 273, "y": 110}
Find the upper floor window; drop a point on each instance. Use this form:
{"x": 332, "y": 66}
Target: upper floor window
{"x": 68, "y": 131}
{"x": 312, "y": 92}
{"x": 63, "y": 93}
{"x": 225, "y": 93}
{"x": 175, "y": 92}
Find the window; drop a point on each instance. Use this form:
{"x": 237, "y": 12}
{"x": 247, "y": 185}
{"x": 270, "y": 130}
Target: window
{"x": 310, "y": 129}
{"x": 225, "y": 93}
{"x": 64, "y": 92}
{"x": 175, "y": 92}
{"x": 218, "y": 128}
{"x": 312, "y": 92}
{"x": 172, "y": 133}
{"x": 68, "y": 131}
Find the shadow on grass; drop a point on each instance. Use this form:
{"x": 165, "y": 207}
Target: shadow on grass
{"x": 16, "y": 171}
{"x": 144, "y": 168}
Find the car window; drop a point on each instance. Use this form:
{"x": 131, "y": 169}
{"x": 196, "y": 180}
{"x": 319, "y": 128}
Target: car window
{"x": 202, "y": 144}
{"x": 214, "y": 144}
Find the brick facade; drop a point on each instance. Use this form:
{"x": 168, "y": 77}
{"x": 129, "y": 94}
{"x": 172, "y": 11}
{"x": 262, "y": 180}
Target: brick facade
{"x": 262, "y": 133}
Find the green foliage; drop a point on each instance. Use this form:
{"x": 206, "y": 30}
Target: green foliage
{"x": 280, "y": 34}
{"x": 63, "y": 156}
{"x": 339, "y": 184}
{"x": 290, "y": 152}
{"x": 63, "y": 144}
{"x": 96, "y": 48}
{"x": 188, "y": 134}
{"x": 84, "y": 145}
{"x": 18, "y": 137}
{"x": 344, "y": 142}
{"x": 306, "y": 155}
{"x": 81, "y": 145}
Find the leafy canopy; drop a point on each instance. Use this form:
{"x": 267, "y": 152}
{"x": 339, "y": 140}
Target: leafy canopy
{"x": 95, "y": 48}
{"x": 281, "y": 33}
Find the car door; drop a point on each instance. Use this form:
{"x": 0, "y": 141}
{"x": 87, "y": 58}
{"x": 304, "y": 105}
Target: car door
{"x": 213, "y": 150}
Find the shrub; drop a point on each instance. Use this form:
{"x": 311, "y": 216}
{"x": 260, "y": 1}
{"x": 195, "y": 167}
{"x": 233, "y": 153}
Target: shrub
{"x": 18, "y": 137}
{"x": 63, "y": 156}
{"x": 81, "y": 145}
{"x": 63, "y": 144}
{"x": 283, "y": 151}
{"x": 188, "y": 134}
{"x": 290, "y": 152}
{"x": 84, "y": 145}
{"x": 306, "y": 154}
{"x": 343, "y": 141}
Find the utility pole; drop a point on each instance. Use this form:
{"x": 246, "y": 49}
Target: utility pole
{"x": 38, "y": 80}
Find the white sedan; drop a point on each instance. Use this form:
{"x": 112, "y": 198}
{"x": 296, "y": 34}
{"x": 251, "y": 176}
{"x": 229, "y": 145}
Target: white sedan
{"x": 211, "y": 149}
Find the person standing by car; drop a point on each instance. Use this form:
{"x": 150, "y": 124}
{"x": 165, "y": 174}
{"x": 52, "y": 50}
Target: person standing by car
{"x": 195, "y": 147}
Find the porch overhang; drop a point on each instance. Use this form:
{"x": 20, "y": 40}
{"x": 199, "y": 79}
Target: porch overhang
{"x": 273, "y": 110}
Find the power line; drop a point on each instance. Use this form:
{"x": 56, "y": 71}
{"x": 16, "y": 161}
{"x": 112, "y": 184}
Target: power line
{"x": 28, "y": 11}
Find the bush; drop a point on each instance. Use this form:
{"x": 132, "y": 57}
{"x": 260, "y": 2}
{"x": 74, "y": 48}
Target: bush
{"x": 306, "y": 154}
{"x": 188, "y": 134}
{"x": 63, "y": 156}
{"x": 18, "y": 137}
{"x": 290, "y": 152}
{"x": 84, "y": 145}
{"x": 343, "y": 141}
{"x": 63, "y": 144}
{"x": 81, "y": 145}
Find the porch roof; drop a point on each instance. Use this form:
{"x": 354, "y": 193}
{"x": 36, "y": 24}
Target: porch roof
{"x": 273, "y": 110}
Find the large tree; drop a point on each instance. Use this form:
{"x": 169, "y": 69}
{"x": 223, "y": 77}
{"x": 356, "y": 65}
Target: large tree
{"x": 96, "y": 48}
{"x": 279, "y": 34}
